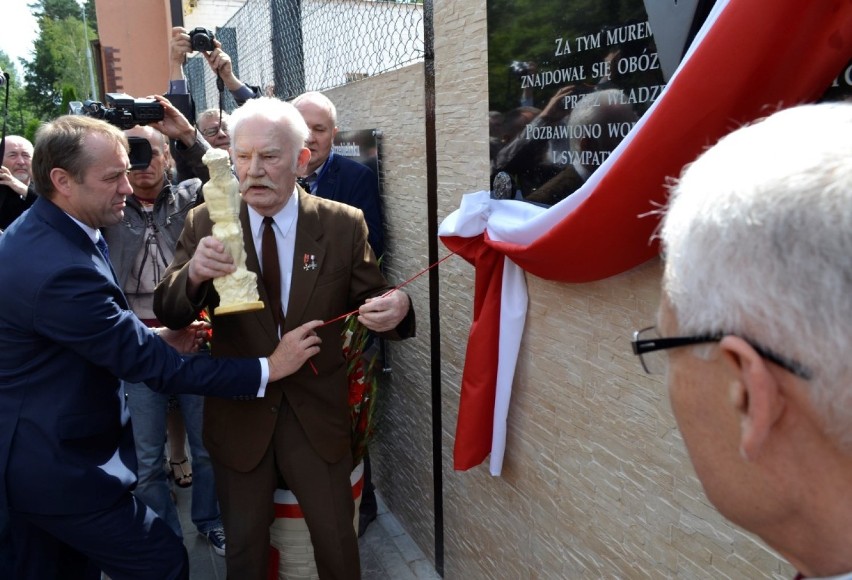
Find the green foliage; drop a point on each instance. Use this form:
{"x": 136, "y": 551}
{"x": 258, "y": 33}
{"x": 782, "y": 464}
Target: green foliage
{"x": 68, "y": 94}
{"x": 31, "y": 128}
{"x": 20, "y": 114}
{"x": 526, "y": 31}
{"x": 60, "y": 56}
{"x": 56, "y": 9}
{"x": 362, "y": 371}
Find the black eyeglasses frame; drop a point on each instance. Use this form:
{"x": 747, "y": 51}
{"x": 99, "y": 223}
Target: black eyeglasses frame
{"x": 645, "y": 345}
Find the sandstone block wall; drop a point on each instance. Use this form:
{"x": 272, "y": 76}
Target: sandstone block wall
{"x": 596, "y": 482}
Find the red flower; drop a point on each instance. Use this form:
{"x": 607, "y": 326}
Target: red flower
{"x": 204, "y": 316}
{"x": 363, "y": 381}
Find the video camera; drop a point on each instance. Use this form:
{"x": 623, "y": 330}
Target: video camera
{"x": 125, "y": 112}
{"x": 121, "y": 110}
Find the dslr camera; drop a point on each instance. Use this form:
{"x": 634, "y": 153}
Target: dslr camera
{"x": 201, "y": 39}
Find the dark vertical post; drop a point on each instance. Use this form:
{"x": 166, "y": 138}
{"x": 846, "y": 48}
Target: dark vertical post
{"x": 288, "y": 60}
{"x": 434, "y": 302}
{"x": 177, "y": 12}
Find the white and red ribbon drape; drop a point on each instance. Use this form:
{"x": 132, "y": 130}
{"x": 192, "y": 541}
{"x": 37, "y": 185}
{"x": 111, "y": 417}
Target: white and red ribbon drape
{"x": 750, "y": 58}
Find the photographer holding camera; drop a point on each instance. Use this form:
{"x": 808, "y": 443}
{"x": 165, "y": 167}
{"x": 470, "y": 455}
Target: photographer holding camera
{"x": 182, "y": 43}
{"x": 17, "y": 192}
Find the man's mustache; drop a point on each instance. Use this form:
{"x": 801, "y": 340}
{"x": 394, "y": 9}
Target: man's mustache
{"x": 249, "y": 183}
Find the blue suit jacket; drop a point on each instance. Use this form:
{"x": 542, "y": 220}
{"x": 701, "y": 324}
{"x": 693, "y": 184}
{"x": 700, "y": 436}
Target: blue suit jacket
{"x": 354, "y": 184}
{"x": 66, "y": 336}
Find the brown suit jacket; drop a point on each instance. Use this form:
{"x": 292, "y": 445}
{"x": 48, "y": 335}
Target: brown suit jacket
{"x": 237, "y": 433}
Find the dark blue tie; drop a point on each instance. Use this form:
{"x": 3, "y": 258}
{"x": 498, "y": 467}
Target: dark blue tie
{"x": 102, "y": 246}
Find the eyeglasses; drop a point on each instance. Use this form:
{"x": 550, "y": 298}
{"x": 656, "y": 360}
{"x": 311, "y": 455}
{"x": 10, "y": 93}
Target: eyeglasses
{"x": 211, "y": 132}
{"x": 648, "y": 346}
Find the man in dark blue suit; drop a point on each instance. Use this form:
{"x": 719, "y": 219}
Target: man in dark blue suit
{"x": 335, "y": 177}
{"x": 67, "y": 459}
{"x": 341, "y": 179}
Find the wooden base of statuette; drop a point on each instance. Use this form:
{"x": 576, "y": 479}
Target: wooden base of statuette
{"x": 238, "y": 308}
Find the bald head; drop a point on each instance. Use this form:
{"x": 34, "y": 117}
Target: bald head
{"x": 18, "y": 158}
{"x": 149, "y": 181}
{"x": 320, "y": 115}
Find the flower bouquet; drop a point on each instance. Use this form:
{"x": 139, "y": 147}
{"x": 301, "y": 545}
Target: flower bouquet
{"x": 361, "y": 370}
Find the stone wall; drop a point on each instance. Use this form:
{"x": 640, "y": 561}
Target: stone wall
{"x": 596, "y": 481}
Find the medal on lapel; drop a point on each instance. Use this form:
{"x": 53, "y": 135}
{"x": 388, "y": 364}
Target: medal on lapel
{"x": 310, "y": 262}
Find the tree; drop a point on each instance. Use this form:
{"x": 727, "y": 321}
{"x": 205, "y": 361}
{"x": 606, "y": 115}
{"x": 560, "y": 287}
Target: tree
{"x": 19, "y": 114}
{"x": 60, "y": 55}
{"x": 56, "y": 9}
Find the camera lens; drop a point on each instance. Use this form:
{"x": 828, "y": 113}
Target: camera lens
{"x": 201, "y": 39}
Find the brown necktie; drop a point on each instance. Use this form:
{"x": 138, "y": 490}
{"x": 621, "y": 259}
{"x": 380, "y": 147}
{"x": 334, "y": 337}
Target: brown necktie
{"x": 272, "y": 271}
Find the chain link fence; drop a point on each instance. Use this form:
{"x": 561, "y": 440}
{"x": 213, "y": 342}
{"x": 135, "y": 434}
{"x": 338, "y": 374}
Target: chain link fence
{"x": 287, "y": 47}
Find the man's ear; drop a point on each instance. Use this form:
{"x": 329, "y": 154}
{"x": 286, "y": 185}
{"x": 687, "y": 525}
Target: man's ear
{"x": 61, "y": 180}
{"x": 302, "y": 160}
{"x": 755, "y": 394}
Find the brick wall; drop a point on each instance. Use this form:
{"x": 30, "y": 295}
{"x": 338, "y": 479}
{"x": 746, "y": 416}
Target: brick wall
{"x": 596, "y": 482}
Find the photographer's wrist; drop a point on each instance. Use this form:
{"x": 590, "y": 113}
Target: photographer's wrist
{"x": 188, "y": 136}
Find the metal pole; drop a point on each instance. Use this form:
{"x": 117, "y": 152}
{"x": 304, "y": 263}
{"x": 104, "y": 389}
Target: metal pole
{"x": 93, "y": 88}
{"x": 177, "y": 12}
{"x": 434, "y": 302}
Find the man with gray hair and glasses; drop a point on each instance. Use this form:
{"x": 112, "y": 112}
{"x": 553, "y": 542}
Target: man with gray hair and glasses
{"x": 754, "y": 330}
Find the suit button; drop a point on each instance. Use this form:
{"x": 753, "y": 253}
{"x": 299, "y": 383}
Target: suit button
{"x": 274, "y": 409}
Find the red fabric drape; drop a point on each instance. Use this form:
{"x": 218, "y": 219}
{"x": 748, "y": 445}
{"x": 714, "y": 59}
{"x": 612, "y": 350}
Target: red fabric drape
{"x": 758, "y": 57}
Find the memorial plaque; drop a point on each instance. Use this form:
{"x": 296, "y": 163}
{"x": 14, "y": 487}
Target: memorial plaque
{"x": 360, "y": 145}
{"x": 568, "y": 80}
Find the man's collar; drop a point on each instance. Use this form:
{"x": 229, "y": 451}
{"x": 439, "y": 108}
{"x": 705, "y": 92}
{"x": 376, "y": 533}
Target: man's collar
{"x": 319, "y": 170}
{"x": 166, "y": 188}
{"x": 93, "y": 233}
{"x": 290, "y": 209}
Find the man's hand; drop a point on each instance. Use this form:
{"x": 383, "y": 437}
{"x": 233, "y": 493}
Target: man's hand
{"x": 9, "y": 180}
{"x": 209, "y": 261}
{"x": 220, "y": 63}
{"x": 174, "y": 125}
{"x": 384, "y": 312}
{"x": 555, "y": 109}
{"x": 295, "y": 348}
{"x": 186, "y": 340}
{"x": 179, "y": 47}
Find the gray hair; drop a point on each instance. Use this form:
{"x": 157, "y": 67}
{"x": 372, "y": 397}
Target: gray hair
{"x": 758, "y": 242}
{"x": 214, "y": 112}
{"x": 604, "y": 108}
{"x": 275, "y": 111}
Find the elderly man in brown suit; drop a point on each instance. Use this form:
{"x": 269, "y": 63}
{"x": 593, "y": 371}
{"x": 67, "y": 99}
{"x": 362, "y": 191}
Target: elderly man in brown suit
{"x": 300, "y": 430}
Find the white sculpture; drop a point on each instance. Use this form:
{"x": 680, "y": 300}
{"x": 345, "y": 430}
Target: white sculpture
{"x": 237, "y": 291}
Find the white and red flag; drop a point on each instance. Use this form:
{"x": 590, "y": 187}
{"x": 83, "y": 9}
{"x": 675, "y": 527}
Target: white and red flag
{"x": 750, "y": 59}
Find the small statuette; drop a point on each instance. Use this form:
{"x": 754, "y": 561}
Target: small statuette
{"x": 237, "y": 291}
